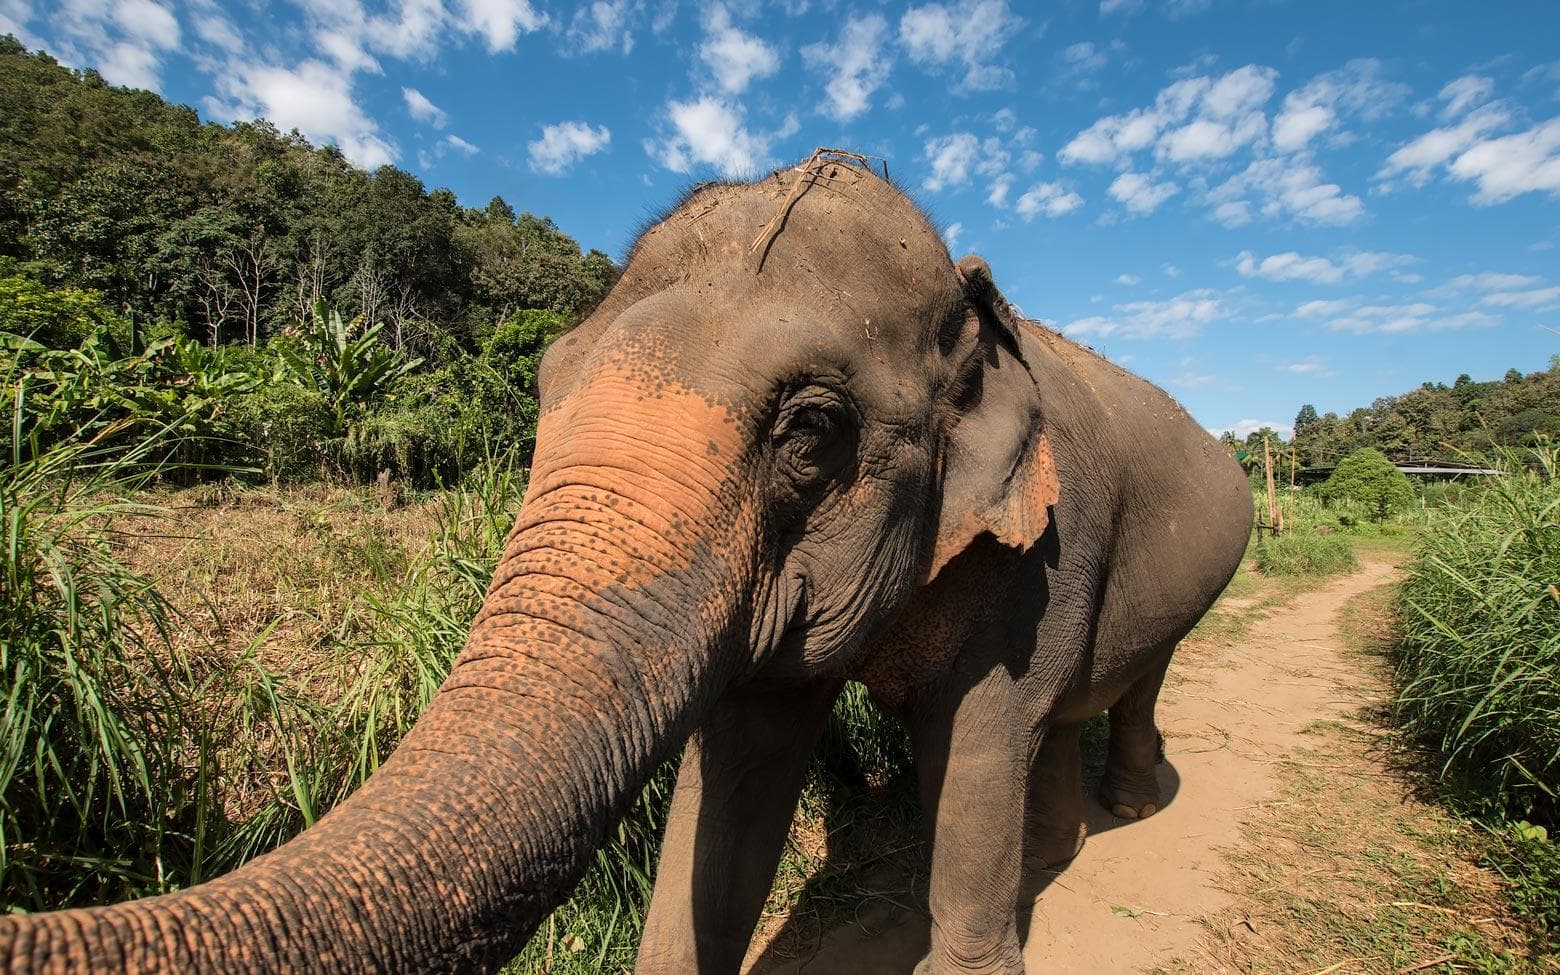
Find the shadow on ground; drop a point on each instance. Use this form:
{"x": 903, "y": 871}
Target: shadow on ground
{"x": 887, "y": 930}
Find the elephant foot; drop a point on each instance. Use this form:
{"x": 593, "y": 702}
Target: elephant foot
{"x": 1124, "y": 811}
{"x": 1010, "y": 962}
{"x": 1134, "y": 797}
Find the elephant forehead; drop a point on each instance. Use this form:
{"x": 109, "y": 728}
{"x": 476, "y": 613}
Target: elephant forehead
{"x": 839, "y": 235}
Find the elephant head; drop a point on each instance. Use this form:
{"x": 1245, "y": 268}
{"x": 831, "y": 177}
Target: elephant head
{"x": 789, "y": 414}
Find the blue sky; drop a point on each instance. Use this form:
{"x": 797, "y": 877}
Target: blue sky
{"x": 1255, "y": 205}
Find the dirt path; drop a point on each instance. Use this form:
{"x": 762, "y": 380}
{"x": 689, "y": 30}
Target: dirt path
{"x": 1133, "y": 898}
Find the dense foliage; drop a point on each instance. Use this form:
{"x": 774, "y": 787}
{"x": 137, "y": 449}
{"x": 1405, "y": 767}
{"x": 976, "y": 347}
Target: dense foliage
{"x": 1366, "y": 477}
{"x": 1479, "y": 667}
{"x": 1434, "y": 421}
{"x": 234, "y": 233}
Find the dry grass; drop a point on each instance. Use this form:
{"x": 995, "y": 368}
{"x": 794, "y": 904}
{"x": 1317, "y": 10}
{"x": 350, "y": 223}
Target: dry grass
{"x": 281, "y": 572}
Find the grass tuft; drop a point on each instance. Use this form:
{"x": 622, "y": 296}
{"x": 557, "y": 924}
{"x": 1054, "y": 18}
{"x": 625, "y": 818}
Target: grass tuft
{"x": 1305, "y": 554}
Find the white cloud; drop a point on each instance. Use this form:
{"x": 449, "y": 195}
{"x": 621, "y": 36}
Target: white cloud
{"x": 1139, "y": 194}
{"x": 1464, "y": 93}
{"x": 149, "y": 22}
{"x": 1544, "y": 298}
{"x": 968, "y": 33}
{"x": 500, "y": 22}
{"x": 1191, "y": 119}
{"x": 1309, "y": 366}
{"x": 1180, "y": 317}
{"x": 1050, "y": 199}
{"x": 1290, "y": 187}
{"x": 1245, "y": 428}
{"x": 952, "y": 158}
{"x": 1292, "y": 266}
{"x": 1108, "y": 7}
{"x": 1357, "y": 89}
{"x": 1321, "y": 308}
{"x": 857, "y": 65}
{"x": 1408, "y": 317}
{"x": 460, "y": 145}
{"x": 564, "y": 144}
{"x": 424, "y": 110}
{"x": 1486, "y": 281}
{"x": 710, "y": 132}
{"x": 314, "y": 98}
{"x": 1128, "y": 279}
{"x": 997, "y": 194}
{"x": 1504, "y": 168}
{"x": 218, "y": 31}
{"x": 735, "y": 57}
{"x": 1419, "y": 157}
{"x": 952, "y": 233}
{"x": 602, "y": 26}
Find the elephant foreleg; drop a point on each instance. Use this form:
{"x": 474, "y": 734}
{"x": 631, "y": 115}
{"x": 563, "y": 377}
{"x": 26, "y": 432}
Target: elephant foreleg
{"x": 1055, "y": 811}
{"x": 737, "y": 789}
{"x": 970, "y": 755}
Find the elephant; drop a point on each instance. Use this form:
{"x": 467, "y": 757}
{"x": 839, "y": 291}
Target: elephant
{"x": 795, "y": 445}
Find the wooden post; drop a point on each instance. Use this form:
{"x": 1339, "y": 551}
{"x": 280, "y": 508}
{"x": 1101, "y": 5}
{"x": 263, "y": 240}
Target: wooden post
{"x": 1272, "y": 490}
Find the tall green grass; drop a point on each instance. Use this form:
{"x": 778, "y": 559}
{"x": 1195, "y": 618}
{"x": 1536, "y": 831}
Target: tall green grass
{"x": 1299, "y": 553}
{"x": 1479, "y": 666}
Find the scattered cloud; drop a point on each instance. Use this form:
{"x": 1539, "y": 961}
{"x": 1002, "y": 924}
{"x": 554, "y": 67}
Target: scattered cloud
{"x": 460, "y": 145}
{"x": 1284, "y": 187}
{"x": 424, "y": 110}
{"x": 1312, "y": 365}
{"x": 709, "y": 131}
{"x": 1177, "y": 318}
{"x": 1464, "y": 93}
{"x": 734, "y": 57}
{"x": 965, "y": 34}
{"x": 1128, "y": 279}
{"x": 1139, "y": 194}
{"x": 1245, "y": 428}
{"x": 564, "y": 144}
{"x": 1293, "y": 266}
{"x": 499, "y": 22}
{"x": 316, "y": 99}
{"x": 1050, "y": 199}
{"x": 1539, "y": 298}
{"x": 951, "y": 158}
{"x": 1414, "y": 316}
{"x": 605, "y": 25}
{"x": 951, "y": 234}
{"x": 857, "y": 65}
{"x": 1319, "y": 107}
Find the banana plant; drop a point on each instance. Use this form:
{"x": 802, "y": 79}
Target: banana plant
{"x": 344, "y": 361}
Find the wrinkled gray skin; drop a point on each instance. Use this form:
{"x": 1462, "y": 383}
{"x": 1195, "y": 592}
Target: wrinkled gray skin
{"x": 760, "y": 471}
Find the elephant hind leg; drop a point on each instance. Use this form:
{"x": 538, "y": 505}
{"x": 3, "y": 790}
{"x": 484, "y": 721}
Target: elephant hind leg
{"x": 1130, "y": 788}
{"x": 1054, "y": 814}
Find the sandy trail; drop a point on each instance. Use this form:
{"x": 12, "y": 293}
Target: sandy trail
{"x": 1132, "y": 899}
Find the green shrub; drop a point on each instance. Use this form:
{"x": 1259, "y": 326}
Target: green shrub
{"x": 1478, "y": 669}
{"x": 1305, "y": 554}
{"x": 1368, "y": 478}
{"x": 284, "y": 431}
{"x": 57, "y": 318}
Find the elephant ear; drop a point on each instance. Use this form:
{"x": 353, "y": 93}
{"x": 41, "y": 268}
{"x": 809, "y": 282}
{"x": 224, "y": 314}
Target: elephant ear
{"x": 998, "y": 475}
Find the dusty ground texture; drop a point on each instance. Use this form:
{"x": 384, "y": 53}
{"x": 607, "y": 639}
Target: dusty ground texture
{"x": 1292, "y": 841}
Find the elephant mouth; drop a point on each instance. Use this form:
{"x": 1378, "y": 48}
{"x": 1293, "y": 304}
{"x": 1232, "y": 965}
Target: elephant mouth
{"x": 784, "y": 627}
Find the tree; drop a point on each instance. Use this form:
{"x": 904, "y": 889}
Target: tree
{"x": 1368, "y": 478}
{"x": 1304, "y": 418}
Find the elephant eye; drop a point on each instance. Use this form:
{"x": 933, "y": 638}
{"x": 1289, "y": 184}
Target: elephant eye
{"x": 813, "y": 436}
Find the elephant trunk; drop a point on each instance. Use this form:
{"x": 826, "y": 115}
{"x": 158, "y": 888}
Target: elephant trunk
{"x": 594, "y": 655}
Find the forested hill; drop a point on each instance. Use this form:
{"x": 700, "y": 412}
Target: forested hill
{"x": 1433, "y": 421}
{"x": 234, "y": 232}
